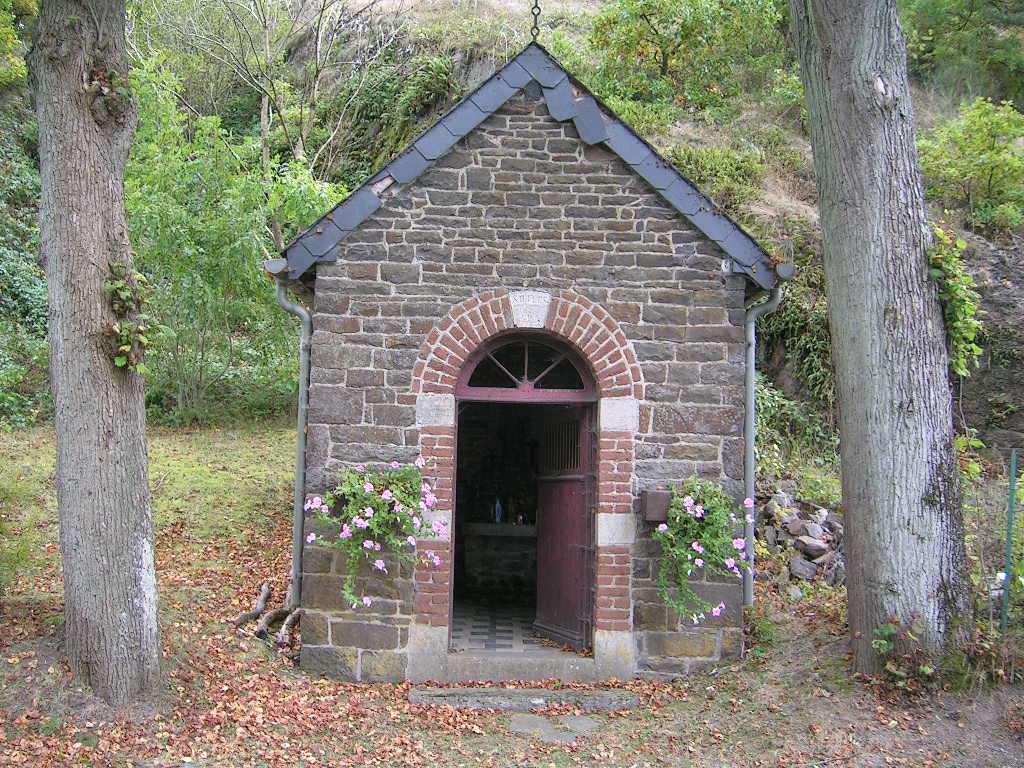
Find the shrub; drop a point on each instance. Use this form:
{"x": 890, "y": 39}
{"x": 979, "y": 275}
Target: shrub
{"x": 799, "y": 329}
{"x": 199, "y": 213}
{"x": 731, "y": 177}
{"x": 786, "y": 95}
{"x": 986, "y": 658}
{"x": 646, "y": 119}
{"x": 699, "y": 537}
{"x": 383, "y": 111}
{"x": 794, "y": 440}
{"x": 22, "y": 284}
{"x": 976, "y": 162}
{"x": 13, "y": 14}
{"x": 24, "y": 390}
{"x": 760, "y": 630}
{"x": 696, "y": 46}
{"x": 965, "y": 47}
{"x": 24, "y": 363}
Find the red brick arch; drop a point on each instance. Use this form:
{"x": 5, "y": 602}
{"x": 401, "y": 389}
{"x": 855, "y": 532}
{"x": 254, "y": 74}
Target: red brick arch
{"x": 589, "y": 328}
{"x": 580, "y": 321}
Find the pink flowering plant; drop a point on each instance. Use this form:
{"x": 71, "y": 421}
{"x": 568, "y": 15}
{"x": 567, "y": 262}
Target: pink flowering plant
{"x": 381, "y": 513}
{"x": 700, "y": 539}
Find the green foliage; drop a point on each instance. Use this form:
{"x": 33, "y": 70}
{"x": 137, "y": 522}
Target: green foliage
{"x": 379, "y": 513}
{"x": 645, "y": 118}
{"x": 786, "y": 94}
{"x": 795, "y": 441}
{"x": 24, "y": 393}
{"x": 788, "y": 427}
{"x": 698, "y": 538}
{"x": 967, "y": 47}
{"x": 961, "y": 303}
{"x": 818, "y": 486}
{"x": 731, "y": 177}
{"x": 800, "y": 325}
{"x": 13, "y": 14}
{"x": 24, "y": 360}
{"x": 652, "y": 60}
{"x": 128, "y": 299}
{"x": 1015, "y": 579}
{"x": 976, "y": 162}
{"x": 695, "y": 46}
{"x": 199, "y": 213}
{"x": 906, "y": 667}
{"x": 385, "y": 110}
{"x": 22, "y": 285}
{"x": 987, "y": 658}
{"x": 969, "y": 460}
{"x": 760, "y": 630}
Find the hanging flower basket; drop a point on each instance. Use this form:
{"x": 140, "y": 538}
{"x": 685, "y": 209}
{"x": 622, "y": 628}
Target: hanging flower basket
{"x": 699, "y": 539}
{"x": 382, "y": 516}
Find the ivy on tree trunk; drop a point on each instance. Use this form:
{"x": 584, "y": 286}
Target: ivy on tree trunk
{"x": 86, "y": 121}
{"x": 901, "y": 494}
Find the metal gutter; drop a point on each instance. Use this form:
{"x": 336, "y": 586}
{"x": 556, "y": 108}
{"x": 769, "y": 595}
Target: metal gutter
{"x": 784, "y": 272}
{"x": 298, "y": 511}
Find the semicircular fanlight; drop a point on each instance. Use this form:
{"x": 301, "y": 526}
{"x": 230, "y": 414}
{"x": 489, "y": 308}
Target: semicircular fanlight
{"x": 526, "y": 365}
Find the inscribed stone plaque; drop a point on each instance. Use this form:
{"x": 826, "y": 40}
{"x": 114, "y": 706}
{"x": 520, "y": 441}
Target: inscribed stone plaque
{"x": 529, "y": 308}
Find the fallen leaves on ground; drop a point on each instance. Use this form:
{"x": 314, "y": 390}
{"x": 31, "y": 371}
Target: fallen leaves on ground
{"x": 233, "y": 701}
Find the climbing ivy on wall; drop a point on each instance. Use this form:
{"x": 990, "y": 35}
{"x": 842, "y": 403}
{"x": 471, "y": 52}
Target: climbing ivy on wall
{"x": 961, "y": 303}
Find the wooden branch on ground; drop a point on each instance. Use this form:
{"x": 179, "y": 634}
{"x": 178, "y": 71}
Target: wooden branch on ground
{"x": 253, "y": 636}
{"x": 284, "y": 634}
{"x": 258, "y": 609}
{"x": 271, "y": 617}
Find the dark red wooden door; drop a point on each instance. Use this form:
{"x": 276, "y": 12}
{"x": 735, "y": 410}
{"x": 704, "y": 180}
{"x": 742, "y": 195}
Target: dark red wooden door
{"x": 564, "y": 530}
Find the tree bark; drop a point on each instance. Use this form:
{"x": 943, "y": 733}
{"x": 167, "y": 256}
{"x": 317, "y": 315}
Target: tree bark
{"x": 901, "y": 494}
{"x": 86, "y": 123}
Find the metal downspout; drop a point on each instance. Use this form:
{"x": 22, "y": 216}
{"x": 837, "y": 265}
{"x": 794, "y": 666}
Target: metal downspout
{"x": 298, "y": 513}
{"x": 749, "y": 429}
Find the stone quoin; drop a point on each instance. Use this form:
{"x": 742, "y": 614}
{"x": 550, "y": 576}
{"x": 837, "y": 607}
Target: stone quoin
{"x": 540, "y": 306}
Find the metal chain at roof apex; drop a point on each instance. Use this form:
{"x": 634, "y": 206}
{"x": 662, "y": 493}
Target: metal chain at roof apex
{"x": 535, "y": 28}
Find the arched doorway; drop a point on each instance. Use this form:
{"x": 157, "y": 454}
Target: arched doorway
{"x": 524, "y": 496}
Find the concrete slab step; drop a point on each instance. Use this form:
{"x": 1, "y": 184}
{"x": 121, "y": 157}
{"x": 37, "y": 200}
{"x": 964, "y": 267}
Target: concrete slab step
{"x": 497, "y": 666}
{"x": 523, "y": 699}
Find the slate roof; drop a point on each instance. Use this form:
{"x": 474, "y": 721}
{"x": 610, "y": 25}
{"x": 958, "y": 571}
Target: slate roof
{"x": 595, "y": 124}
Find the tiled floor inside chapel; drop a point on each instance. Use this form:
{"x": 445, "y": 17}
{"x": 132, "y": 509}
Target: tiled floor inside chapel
{"x": 506, "y": 629}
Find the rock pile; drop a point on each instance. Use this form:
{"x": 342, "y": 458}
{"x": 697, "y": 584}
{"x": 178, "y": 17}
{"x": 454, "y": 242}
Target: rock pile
{"x": 811, "y": 538}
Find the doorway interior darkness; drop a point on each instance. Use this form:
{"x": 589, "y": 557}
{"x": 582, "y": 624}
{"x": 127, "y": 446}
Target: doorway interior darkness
{"x": 524, "y": 500}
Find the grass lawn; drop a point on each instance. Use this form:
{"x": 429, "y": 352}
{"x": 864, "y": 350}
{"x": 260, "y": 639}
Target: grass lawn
{"x": 222, "y": 502}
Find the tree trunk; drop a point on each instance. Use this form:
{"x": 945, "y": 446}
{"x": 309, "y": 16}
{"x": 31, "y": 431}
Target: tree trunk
{"x": 86, "y": 124}
{"x": 901, "y": 494}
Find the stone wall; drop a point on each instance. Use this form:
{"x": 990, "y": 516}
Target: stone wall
{"x": 668, "y": 642}
{"x": 364, "y": 643}
{"x": 522, "y": 205}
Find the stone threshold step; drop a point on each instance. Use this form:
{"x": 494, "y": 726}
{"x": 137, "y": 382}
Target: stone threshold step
{"x": 523, "y": 699}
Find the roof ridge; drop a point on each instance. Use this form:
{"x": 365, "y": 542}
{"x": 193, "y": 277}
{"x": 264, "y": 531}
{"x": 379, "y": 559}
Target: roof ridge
{"x": 566, "y": 99}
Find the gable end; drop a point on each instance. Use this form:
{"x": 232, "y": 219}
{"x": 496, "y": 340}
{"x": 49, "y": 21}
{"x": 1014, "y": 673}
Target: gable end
{"x": 566, "y": 100}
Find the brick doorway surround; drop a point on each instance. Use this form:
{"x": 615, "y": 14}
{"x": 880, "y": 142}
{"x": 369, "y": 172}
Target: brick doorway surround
{"x": 596, "y": 336}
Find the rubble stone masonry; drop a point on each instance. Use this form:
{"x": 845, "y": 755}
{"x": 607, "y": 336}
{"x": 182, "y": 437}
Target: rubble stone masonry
{"x": 522, "y": 225}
